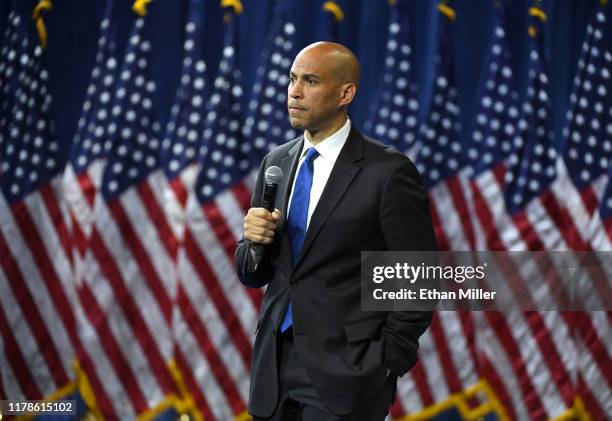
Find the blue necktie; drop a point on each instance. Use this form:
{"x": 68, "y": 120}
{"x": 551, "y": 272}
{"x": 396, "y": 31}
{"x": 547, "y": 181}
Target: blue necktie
{"x": 298, "y": 216}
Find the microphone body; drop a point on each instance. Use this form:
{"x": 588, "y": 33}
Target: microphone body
{"x": 269, "y": 196}
{"x": 273, "y": 177}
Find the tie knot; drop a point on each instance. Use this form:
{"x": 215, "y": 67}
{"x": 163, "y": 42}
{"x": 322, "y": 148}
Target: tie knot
{"x": 311, "y": 154}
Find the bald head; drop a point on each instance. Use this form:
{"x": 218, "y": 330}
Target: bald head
{"x": 322, "y": 84}
{"x": 341, "y": 61}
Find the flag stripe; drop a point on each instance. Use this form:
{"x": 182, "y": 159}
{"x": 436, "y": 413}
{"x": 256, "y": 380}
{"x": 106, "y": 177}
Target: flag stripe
{"x": 407, "y": 393}
{"x": 108, "y": 266}
{"x": 52, "y": 199}
{"x": 199, "y": 399}
{"x": 498, "y": 386}
{"x": 158, "y": 217}
{"x": 449, "y": 371}
{"x": 596, "y": 412}
{"x": 420, "y": 377}
{"x": 212, "y": 284}
{"x": 433, "y": 366}
{"x": 97, "y": 318}
{"x": 133, "y": 241}
{"x": 531, "y": 399}
{"x": 538, "y": 328}
{"x": 203, "y": 376}
{"x": 12, "y": 350}
{"x": 202, "y": 336}
{"x": 228, "y": 242}
{"x": 598, "y": 350}
{"x": 33, "y": 317}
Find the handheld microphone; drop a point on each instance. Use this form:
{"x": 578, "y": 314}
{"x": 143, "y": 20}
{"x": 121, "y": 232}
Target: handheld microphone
{"x": 273, "y": 177}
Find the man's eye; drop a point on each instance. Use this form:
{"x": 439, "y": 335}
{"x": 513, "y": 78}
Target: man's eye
{"x": 311, "y": 82}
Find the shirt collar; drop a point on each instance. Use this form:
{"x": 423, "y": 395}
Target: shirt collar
{"x": 330, "y": 147}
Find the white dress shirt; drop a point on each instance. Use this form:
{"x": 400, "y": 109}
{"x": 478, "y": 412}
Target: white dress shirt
{"x": 328, "y": 149}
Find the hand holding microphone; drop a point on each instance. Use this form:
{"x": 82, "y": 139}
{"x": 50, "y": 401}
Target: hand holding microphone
{"x": 260, "y": 223}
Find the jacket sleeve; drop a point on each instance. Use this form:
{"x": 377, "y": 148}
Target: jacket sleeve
{"x": 244, "y": 256}
{"x": 407, "y": 226}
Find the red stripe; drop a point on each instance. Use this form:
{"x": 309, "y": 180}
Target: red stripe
{"x": 589, "y": 199}
{"x": 180, "y": 191}
{"x": 123, "y": 371}
{"x": 61, "y": 300}
{"x": 538, "y": 328}
{"x": 228, "y": 242}
{"x": 78, "y": 238}
{"x": 20, "y": 367}
{"x": 141, "y": 257}
{"x": 599, "y": 351}
{"x": 507, "y": 340}
{"x": 540, "y": 332}
{"x": 88, "y": 188}
{"x": 243, "y": 196}
{"x": 592, "y": 406}
{"x": 461, "y": 205}
{"x": 397, "y": 410}
{"x": 467, "y": 327}
{"x": 420, "y": 380}
{"x": 449, "y": 370}
{"x": 498, "y": 386}
{"x": 132, "y": 313}
{"x": 198, "y": 329}
{"x": 103, "y": 401}
{"x": 54, "y": 286}
{"x": 51, "y": 200}
{"x": 441, "y": 239}
{"x": 531, "y": 399}
{"x": 607, "y": 223}
{"x": 194, "y": 390}
{"x": 216, "y": 293}
{"x": 30, "y": 312}
{"x": 563, "y": 221}
{"x": 159, "y": 219}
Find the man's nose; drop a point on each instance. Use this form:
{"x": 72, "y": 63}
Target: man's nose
{"x": 295, "y": 90}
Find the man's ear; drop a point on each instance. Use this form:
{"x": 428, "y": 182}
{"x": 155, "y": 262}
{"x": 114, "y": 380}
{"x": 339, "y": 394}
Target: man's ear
{"x": 347, "y": 93}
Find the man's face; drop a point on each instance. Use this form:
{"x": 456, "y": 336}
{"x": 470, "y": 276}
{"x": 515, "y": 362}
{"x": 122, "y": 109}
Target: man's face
{"x": 314, "y": 94}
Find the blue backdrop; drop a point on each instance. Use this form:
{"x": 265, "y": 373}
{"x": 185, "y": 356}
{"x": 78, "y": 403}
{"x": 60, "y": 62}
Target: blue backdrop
{"x": 73, "y": 27}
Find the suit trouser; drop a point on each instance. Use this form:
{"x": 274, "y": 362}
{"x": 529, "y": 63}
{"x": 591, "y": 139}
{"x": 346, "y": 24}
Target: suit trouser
{"x": 299, "y": 401}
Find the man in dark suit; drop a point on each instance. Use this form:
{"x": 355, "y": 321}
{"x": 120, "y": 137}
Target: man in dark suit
{"x": 317, "y": 355}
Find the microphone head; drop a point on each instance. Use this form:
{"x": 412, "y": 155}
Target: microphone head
{"x": 274, "y": 175}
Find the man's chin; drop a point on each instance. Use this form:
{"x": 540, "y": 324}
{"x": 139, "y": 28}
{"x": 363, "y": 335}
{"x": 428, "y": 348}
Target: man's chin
{"x": 296, "y": 124}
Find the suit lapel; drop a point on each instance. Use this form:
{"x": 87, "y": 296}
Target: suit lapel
{"x": 288, "y": 165}
{"x": 342, "y": 175}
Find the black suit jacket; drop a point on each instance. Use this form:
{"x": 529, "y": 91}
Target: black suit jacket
{"x": 373, "y": 200}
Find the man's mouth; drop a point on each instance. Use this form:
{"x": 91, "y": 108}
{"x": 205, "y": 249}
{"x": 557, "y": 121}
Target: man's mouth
{"x": 296, "y": 110}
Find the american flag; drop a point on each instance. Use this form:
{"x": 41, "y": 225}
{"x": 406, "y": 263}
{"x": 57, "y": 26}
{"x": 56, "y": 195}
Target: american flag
{"x": 184, "y": 130}
{"x": 584, "y": 171}
{"x": 267, "y": 124}
{"x": 128, "y": 280}
{"x": 600, "y": 230}
{"x": 179, "y": 159}
{"x": 446, "y": 365}
{"x": 587, "y": 147}
{"x": 38, "y": 337}
{"x": 396, "y": 109}
{"x": 218, "y": 315}
{"x": 504, "y": 343}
